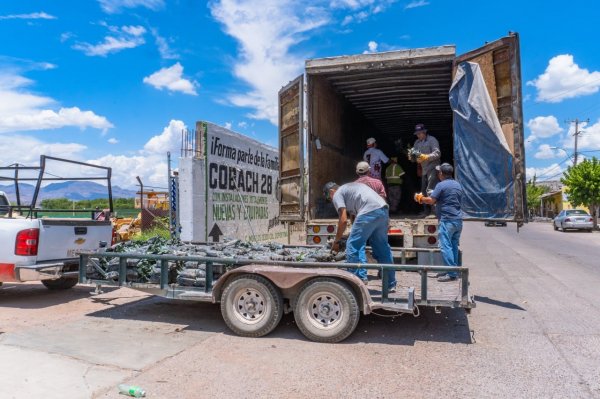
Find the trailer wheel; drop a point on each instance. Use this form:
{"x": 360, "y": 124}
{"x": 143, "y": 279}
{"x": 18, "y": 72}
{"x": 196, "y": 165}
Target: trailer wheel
{"x": 62, "y": 283}
{"x": 251, "y": 306}
{"x": 326, "y": 310}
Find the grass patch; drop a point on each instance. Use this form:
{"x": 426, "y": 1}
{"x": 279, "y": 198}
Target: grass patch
{"x": 153, "y": 232}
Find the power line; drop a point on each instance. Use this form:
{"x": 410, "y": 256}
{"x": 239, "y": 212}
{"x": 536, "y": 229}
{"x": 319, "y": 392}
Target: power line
{"x": 554, "y": 167}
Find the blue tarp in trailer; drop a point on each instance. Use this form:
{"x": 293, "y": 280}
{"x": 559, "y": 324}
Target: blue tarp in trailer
{"x": 483, "y": 160}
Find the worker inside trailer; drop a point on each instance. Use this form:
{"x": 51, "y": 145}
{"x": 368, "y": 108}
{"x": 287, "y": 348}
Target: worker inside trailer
{"x": 376, "y": 158}
{"x": 426, "y": 152}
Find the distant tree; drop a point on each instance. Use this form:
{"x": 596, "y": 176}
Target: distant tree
{"x": 583, "y": 185}
{"x": 102, "y": 203}
{"x": 534, "y": 192}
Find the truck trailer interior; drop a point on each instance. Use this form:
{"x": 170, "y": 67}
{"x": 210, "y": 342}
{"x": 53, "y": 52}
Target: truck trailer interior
{"x": 326, "y": 115}
{"x": 349, "y": 103}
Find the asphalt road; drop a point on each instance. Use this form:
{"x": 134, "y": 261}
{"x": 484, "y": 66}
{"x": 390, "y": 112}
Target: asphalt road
{"x": 535, "y": 333}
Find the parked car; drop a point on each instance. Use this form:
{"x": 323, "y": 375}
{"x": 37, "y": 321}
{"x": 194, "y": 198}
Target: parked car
{"x": 576, "y": 219}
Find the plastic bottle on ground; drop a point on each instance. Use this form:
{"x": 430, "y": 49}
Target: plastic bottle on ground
{"x": 132, "y": 390}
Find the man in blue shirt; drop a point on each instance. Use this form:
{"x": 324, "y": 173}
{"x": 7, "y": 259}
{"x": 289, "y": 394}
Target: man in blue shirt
{"x": 447, "y": 195}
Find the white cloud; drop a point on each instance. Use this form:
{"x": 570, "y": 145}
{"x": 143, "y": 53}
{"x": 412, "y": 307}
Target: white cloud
{"x": 27, "y": 150}
{"x": 166, "y": 53}
{"x": 372, "y": 47}
{"x": 227, "y": 125}
{"x": 243, "y": 125}
{"x": 33, "y": 15}
{"x": 544, "y": 126}
{"x": 168, "y": 140}
{"x": 172, "y": 79}
{"x": 545, "y": 151}
{"x": 150, "y": 162}
{"x": 266, "y": 30}
{"x": 151, "y": 169}
{"x": 416, "y": 3}
{"x": 564, "y": 79}
{"x": 122, "y": 38}
{"x": 115, "y": 6}
{"x": 66, "y": 36}
{"x": 113, "y": 140}
{"x": 21, "y": 110}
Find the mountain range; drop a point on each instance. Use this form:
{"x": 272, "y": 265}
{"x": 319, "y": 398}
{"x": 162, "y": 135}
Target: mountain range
{"x": 73, "y": 190}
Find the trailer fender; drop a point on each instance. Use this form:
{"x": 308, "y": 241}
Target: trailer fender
{"x": 289, "y": 279}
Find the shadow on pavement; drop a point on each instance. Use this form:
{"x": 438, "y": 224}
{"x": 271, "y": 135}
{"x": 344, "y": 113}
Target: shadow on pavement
{"x": 451, "y": 326}
{"x": 37, "y": 296}
{"x": 191, "y": 316}
{"x": 490, "y": 301}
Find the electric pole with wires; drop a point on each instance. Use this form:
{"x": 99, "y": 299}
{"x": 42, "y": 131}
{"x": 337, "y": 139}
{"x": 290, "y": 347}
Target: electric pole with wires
{"x": 576, "y": 135}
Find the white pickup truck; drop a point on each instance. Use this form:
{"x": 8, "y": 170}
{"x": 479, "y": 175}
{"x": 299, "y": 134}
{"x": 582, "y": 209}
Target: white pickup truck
{"x": 46, "y": 249}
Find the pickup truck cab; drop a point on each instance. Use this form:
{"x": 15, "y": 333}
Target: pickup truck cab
{"x": 46, "y": 249}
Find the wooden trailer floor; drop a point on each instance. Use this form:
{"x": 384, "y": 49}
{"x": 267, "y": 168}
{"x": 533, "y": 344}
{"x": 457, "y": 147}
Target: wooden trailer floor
{"x": 436, "y": 291}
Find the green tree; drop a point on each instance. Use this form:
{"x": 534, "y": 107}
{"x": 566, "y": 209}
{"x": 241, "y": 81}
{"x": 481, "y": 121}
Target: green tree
{"x": 534, "y": 192}
{"x": 583, "y": 185}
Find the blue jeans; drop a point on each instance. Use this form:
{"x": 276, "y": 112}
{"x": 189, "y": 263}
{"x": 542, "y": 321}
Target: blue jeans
{"x": 372, "y": 226}
{"x": 449, "y": 236}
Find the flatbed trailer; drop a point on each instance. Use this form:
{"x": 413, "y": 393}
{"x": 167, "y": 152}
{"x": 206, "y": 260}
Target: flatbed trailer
{"x": 326, "y": 299}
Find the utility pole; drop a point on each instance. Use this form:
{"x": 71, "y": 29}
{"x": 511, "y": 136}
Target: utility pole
{"x": 576, "y": 134}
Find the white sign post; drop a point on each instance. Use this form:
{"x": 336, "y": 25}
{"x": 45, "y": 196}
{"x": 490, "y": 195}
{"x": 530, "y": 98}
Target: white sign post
{"x": 240, "y": 188}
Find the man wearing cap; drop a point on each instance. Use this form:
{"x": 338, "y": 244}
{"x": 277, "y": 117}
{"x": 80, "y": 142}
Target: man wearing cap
{"x": 393, "y": 177}
{"x": 371, "y": 223}
{"x": 447, "y": 196}
{"x": 362, "y": 170}
{"x": 375, "y": 158}
{"x": 429, "y": 158}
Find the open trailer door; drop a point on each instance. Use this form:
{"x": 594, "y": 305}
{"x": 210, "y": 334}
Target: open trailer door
{"x": 291, "y": 151}
{"x": 489, "y": 150}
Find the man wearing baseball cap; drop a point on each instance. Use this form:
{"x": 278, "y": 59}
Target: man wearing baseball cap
{"x": 375, "y": 158}
{"x": 429, "y": 158}
{"x": 370, "y": 224}
{"x": 447, "y": 196}
{"x": 362, "y": 170}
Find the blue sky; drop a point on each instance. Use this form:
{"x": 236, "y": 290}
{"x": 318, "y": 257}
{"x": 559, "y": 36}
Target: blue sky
{"x": 115, "y": 81}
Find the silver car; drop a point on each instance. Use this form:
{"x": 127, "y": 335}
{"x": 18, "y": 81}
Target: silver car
{"x": 576, "y": 219}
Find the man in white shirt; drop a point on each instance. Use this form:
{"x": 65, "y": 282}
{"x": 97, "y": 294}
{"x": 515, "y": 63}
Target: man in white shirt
{"x": 371, "y": 223}
{"x": 375, "y": 157}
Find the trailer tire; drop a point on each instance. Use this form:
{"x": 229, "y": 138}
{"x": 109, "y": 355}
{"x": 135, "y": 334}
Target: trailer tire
{"x": 62, "y": 283}
{"x": 251, "y": 306}
{"x": 326, "y": 310}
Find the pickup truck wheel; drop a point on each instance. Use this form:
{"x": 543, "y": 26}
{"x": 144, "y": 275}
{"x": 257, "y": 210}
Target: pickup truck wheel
{"x": 326, "y": 310}
{"x": 251, "y": 306}
{"x": 62, "y": 283}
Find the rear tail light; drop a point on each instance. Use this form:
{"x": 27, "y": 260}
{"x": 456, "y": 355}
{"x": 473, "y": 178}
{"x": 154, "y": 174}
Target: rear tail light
{"x": 395, "y": 231}
{"x": 330, "y": 229}
{"x": 316, "y": 229}
{"x": 591, "y": 220}
{"x": 27, "y": 242}
{"x": 431, "y": 229}
{"x": 431, "y": 240}
{"x": 317, "y": 239}
{"x": 567, "y": 219}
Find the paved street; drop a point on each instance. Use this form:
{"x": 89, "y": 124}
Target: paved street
{"x": 535, "y": 333}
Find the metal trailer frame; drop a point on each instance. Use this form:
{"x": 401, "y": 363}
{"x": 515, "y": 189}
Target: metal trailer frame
{"x": 32, "y": 210}
{"x": 286, "y": 276}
